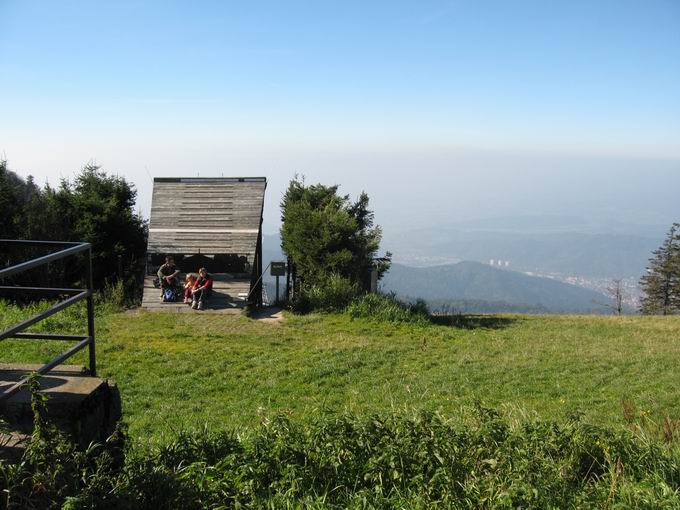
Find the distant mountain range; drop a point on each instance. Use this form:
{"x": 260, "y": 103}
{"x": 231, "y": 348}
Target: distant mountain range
{"x": 475, "y": 287}
{"x": 567, "y": 253}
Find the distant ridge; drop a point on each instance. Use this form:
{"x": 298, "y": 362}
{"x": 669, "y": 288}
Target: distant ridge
{"x": 493, "y": 290}
{"x": 567, "y": 253}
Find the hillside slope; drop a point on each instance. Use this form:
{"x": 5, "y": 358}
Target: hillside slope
{"x": 475, "y": 281}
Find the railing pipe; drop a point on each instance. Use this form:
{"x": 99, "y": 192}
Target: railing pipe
{"x": 79, "y": 294}
{"x": 30, "y": 264}
{"x": 43, "y": 315}
{"x": 44, "y": 243}
{"x": 53, "y": 290}
{"x": 258, "y": 281}
{"x": 46, "y": 336}
{"x": 45, "y": 368}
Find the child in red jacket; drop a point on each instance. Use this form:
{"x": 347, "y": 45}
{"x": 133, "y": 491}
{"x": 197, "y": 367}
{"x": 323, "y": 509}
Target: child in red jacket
{"x": 201, "y": 290}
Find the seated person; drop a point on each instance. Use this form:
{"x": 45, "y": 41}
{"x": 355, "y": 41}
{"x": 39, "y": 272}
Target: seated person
{"x": 188, "y": 287}
{"x": 201, "y": 290}
{"x": 167, "y": 274}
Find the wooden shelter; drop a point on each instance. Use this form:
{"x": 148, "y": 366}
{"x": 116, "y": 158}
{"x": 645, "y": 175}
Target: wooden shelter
{"x": 208, "y": 222}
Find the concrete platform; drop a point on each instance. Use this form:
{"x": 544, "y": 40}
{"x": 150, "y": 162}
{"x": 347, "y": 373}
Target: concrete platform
{"x": 84, "y": 407}
{"x": 228, "y": 296}
{"x": 65, "y": 387}
{"x": 12, "y": 445}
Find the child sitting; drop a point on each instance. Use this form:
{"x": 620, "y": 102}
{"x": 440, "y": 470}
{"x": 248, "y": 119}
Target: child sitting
{"x": 188, "y": 285}
{"x": 202, "y": 289}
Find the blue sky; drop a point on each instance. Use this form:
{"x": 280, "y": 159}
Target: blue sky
{"x": 274, "y": 88}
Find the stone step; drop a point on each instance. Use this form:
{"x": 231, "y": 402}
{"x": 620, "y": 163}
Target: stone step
{"x": 215, "y": 301}
{"x": 12, "y": 445}
{"x": 187, "y": 309}
{"x": 87, "y": 408}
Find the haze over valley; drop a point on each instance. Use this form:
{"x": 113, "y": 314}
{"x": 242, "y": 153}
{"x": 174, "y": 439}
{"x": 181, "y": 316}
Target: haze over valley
{"x": 474, "y": 143}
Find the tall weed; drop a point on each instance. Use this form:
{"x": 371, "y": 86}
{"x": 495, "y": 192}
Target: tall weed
{"x": 333, "y": 295}
{"x": 387, "y": 307}
{"x": 480, "y": 459}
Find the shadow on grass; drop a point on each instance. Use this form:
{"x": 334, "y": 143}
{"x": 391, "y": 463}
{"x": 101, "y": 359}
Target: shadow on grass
{"x": 267, "y": 313}
{"x": 470, "y": 321}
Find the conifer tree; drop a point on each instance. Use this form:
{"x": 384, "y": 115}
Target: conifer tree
{"x": 325, "y": 233}
{"x": 96, "y": 207}
{"x": 661, "y": 284}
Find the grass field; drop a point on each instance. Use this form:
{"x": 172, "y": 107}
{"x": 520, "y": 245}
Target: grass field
{"x": 183, "y": 371}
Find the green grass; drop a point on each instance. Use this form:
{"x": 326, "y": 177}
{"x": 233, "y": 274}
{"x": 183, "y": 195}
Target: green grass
{"x": 182, "y": 371}
{"x": 482, "y": 459}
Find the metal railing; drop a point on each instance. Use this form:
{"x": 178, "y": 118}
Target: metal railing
{"x": 259, "y": 280}
{"x": 74, "y": 295}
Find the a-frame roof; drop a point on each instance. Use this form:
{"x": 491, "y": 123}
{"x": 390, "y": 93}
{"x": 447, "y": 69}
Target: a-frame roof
{"x": 206, "y": 215}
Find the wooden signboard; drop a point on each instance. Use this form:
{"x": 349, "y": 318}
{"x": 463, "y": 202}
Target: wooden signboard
{"x": 278, "y": 269}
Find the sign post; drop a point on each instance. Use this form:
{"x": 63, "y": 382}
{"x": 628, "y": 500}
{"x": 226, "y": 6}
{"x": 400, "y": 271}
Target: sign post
{"x": 277, "y": 269}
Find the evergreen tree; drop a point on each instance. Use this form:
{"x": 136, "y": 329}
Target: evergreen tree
{"x": 99, "y": 208}
{"x": 661, "y": 284}
{"x": 12, "y": 200}
{"x": 96, "y": 208}
{"x": 324, "y": 233}
{"x": 30, "y": 212}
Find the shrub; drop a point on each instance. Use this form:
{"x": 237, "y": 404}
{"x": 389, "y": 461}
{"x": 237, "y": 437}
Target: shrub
{"x": 388, "y": 308}
{"x": 332, "y": 295}
{"x": 112, "y": 297}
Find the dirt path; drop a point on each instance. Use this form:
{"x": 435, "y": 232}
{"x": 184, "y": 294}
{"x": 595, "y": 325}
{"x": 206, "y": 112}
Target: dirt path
{"x": 270, "y": 315}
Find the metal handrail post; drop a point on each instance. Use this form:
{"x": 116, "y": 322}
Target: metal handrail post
{"x": 258, "y": 281}
{"x": 90, "y": 315}
{"x": 16, "y": 331}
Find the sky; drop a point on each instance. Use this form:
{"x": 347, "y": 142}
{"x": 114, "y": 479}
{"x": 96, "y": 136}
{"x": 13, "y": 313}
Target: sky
{"x": 440, "y": 110}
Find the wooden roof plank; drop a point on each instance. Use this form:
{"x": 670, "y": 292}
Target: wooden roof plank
{"x": 208, "y": 203}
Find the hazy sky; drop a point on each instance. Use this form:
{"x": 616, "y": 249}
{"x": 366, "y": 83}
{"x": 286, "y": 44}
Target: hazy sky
{"x": 440, "y": 110}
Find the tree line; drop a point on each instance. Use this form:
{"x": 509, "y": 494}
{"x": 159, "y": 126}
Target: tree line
{"x": 94, "y": 207}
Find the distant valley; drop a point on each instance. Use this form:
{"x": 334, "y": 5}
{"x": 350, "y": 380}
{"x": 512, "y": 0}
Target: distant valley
{"x": 475, "y": 287}
{"x": 527, "y": 264}
{"x": 566, "y": 253}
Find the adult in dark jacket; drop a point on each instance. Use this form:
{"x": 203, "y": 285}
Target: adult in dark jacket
{"x": 167, "y": 274}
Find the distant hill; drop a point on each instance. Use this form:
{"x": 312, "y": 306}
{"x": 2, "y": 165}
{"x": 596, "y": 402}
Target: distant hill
{"x": 472, "y": 286}
{"x": 568, "y": 253}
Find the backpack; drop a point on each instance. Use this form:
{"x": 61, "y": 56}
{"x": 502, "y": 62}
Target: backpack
{"x": 168, "y": 295}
